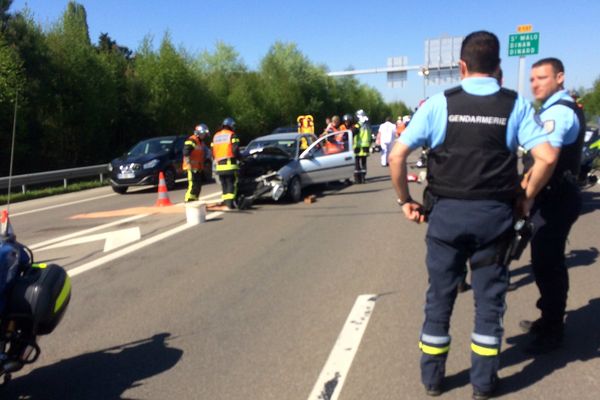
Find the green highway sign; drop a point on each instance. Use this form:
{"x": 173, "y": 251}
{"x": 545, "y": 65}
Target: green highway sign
{"x": 523, "y": 44}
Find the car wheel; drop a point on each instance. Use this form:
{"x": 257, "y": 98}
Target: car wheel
{"x": 120, "y": 189}
{"x": 295, "y": 190}
{"x": 170, "y": 179}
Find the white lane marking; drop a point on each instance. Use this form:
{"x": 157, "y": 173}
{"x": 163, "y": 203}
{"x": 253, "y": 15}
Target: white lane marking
{"x": 208, "y": 196}
{"x": 112, "y": 239}
{"x": 61, "y": 205}
{"x": 86, "y": 231}
{"x": 214, "y": 215}
{"x": 332, "y": 377}
{"x": 86, "y": 200}
{"x": 130, "y": 249}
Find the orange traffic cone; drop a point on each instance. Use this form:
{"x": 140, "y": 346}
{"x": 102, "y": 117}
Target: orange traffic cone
{"x": 163, "y": 194}
{"x": 6, "y": 229}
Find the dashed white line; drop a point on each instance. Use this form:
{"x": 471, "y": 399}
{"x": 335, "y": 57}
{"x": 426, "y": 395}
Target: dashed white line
{"x": 334, "y": 373}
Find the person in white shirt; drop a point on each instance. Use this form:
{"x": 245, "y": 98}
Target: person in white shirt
{"x": 386, "y": 134}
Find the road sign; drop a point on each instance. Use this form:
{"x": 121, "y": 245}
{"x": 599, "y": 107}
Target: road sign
{"x": 396, "y": 78}
{"x": 441, "y": 60}
{"x": 523, "y": 44}
{"x": 524, "y": 28}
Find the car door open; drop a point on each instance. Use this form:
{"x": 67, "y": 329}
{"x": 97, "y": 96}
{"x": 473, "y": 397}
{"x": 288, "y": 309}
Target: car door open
{"x": 330, "y": 158}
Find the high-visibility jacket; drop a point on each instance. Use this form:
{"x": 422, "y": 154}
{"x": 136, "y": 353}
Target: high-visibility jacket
{"x": 196, "y": 156}
{"x": 332, "y": 147}
{"x": 223, "y": 150}
{"x": 362, "y": 139}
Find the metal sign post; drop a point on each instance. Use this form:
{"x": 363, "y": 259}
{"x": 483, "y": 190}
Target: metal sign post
{"x": 523, "y": 44}
{"x": 440, "y": 67}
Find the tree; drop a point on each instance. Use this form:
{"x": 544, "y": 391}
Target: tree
{"x": 591, "y": 101}
{"x": 176, "y": 98}
{"x": 76, "y": 129}
{"x": 290, "y": 84}
{"x": 399, "y": 108}
{"x": 11, "y": 82}
{"x": 220, "y": 71}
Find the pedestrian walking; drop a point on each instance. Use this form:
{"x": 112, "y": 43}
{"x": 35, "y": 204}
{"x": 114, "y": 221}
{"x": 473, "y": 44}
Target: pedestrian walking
{"x": 386, "y": 135}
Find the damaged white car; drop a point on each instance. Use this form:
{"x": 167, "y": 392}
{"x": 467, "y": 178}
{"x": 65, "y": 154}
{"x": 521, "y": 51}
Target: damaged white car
{"x": 282, "y": 165}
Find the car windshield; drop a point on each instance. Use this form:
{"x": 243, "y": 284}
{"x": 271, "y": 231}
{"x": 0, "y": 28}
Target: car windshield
{"x": 151, "y": 146}
{"x": 286, "y": 145}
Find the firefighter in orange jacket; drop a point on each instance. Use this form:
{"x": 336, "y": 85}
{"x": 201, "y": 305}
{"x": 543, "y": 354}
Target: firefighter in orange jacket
{"x": 226, "y": 153}
{"x": 193, "y": 161}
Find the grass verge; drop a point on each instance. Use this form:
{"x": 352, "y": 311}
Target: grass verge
{"x": 51, "y": 191}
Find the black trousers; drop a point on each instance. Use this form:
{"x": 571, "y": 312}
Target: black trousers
{"x": 228, "y": 181}
{"x": 194, "y": 185}
{"x": 360, "y": 168}
{"x": 553, "y": 215}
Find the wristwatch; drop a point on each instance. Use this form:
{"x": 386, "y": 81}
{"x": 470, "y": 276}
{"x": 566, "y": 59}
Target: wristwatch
{"x": 401, "y": 203}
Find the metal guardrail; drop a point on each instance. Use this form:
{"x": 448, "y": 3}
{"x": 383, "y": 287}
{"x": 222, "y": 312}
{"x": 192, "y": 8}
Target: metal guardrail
{"x": 54, "y": 176}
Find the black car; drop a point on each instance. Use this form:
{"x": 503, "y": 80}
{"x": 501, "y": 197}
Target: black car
{"x": 142, "y": 164}
{"x": 374, "y": 146}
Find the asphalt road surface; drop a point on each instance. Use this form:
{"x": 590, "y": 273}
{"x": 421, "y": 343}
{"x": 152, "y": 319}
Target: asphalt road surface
{"x": 282, "y": 301}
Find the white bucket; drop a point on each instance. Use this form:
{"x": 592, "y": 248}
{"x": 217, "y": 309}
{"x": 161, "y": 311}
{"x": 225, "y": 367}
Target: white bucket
{"x": 195, "y": 212}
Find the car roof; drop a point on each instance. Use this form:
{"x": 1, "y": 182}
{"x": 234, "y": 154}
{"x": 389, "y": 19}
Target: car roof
{"x": 171, "y": 137}
{"x": 281, "y": 136}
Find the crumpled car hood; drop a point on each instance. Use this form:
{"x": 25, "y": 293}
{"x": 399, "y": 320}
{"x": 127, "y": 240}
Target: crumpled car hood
{"x": 259, "y": 163}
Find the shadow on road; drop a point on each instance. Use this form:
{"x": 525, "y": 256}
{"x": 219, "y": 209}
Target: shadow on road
{"x": 102, "y": 375}
{"x": 573, "y": 259}
{"x": 591, "y": 202}
{"x": 582, "y": 343}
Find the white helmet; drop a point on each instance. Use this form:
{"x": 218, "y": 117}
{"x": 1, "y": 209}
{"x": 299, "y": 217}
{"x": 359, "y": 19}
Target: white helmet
{"x": 362, "y": 115}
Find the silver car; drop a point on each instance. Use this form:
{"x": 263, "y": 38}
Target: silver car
{"x": 281, "y": 165}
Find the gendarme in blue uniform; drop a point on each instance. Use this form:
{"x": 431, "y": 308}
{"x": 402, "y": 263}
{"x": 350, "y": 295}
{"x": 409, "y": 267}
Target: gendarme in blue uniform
{"x": 556, "y": 209}
{"x": 473, "y": 132}
{"x": 428, "y": 125}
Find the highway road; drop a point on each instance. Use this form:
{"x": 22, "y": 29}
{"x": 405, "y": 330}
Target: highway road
{"x": 282, "y": 301}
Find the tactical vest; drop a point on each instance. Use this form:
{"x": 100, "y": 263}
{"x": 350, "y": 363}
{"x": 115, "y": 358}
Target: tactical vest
{"x": 569, "y": 161}
{"x": 474, "y": 161}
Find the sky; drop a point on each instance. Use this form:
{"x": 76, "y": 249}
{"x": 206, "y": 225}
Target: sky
{"x": 349, "y": 33}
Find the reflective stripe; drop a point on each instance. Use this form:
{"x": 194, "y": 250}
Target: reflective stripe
{"x": 227, "y": 167}
{"x": 435, "y": 339}
{"x": 485, "y": 339}
{"x": 484, "y": 351}
{"x": 64, "y": 293}
{"x": 40, "y": 266}
{"x": 196, "y": 157}
{"x": 433, "y": 351}
{"x": 188, "y": 195}
{"x": 228, "y": 196}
